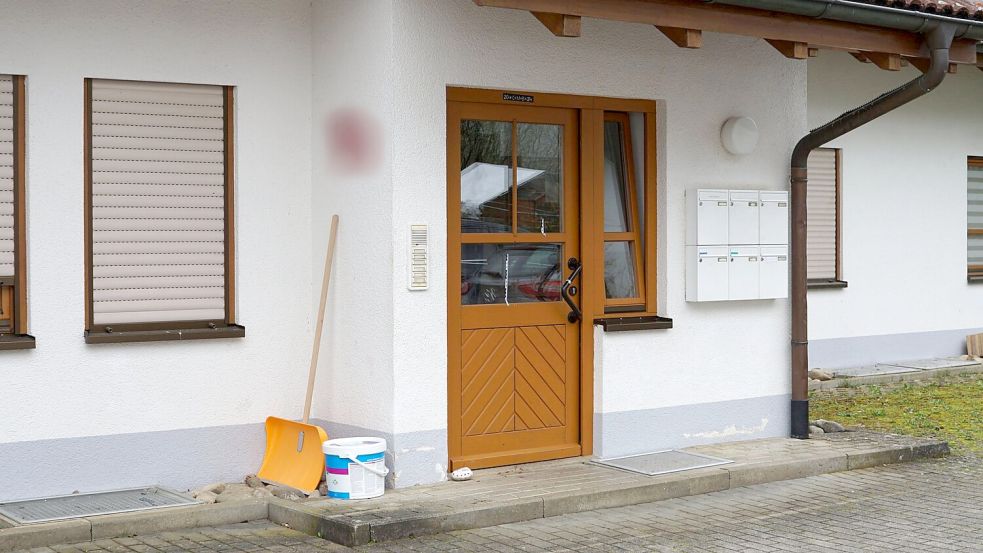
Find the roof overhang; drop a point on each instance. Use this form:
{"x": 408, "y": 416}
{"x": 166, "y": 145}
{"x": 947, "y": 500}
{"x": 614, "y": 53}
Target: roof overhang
{"x": 793, "y": 34}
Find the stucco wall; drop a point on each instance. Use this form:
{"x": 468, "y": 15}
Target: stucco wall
{"x": 352, "y": 59}
{"x": 66, "y": 390}
{"x": 903, "y": 217}
{"x": 716, "y": 353}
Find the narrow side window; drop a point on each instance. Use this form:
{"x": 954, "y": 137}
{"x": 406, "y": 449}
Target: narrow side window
{"x": 974, "y": 218}
{"x": 824, "y": 232}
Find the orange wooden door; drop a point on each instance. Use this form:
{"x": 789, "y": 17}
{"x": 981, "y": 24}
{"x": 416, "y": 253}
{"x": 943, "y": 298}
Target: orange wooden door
{"x": 514, "y": 351}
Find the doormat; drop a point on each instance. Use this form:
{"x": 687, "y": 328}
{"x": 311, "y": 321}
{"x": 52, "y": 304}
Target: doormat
{"x": 663, "y": 462}
{"x": 47, "y": 509}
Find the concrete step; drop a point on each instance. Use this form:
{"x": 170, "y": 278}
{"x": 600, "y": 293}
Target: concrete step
{"x": 538, "y": 490}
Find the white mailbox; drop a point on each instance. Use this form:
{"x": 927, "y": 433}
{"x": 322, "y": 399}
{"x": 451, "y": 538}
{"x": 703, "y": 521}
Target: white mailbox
{"x": 706, "y": 273}
{"x": 706, "y": 217}
{"x": 773, "y": 217}
{"x": 743, "y": 273}
{"x": 743, "y": 217}
{"x": 774, "y": 272}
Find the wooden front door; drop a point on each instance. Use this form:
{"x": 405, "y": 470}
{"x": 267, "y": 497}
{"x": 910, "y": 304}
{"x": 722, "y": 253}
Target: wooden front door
{"x": 513, "y": 242}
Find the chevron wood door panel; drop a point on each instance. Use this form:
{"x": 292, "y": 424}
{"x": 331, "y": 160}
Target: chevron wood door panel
{"x": 540, "y": 380}
{"x": 513, "y": 224}
{"x": 488, "y": 371}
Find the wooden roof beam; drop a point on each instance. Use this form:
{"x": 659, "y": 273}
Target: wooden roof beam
{"x": 790, "y": 49}
{"x": 559, "y": 24}
{"x": 718, "y": 18}
{"x": 887, "y": 62}
{"x": 684, "y": 38}
{"x": 922, "y": 65}
{"x": 860, "y": 57}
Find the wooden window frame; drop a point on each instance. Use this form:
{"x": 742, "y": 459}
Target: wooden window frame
{"x": 16, "y": 336}
{"x": 170, "y": 330}
{"x": 634, "y": 235}
{"x": 837, "y": 281}
{"x": 974, "y": 273}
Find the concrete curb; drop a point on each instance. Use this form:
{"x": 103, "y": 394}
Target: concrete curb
{"x": 417, "y": 520}
{"x": 917, "y": 374}
{"x": 352, "y": 529}
{"x": 131, "y": 524}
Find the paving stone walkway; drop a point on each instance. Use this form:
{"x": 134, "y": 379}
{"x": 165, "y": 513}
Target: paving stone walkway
{"x": 932, "y": 505}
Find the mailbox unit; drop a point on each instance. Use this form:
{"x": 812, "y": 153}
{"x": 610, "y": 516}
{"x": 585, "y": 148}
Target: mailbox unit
{"x": 736, "y": 245}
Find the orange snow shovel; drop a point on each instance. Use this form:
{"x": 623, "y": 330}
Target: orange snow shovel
{"x": 293, "y": 449}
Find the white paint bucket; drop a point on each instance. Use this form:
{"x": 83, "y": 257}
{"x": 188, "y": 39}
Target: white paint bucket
{"x": 355, "y": 468}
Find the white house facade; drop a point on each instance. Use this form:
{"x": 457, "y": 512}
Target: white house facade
{"x": 405, "y": 116}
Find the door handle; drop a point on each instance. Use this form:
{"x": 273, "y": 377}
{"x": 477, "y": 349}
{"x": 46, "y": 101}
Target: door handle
{"x": 568, "y": 290}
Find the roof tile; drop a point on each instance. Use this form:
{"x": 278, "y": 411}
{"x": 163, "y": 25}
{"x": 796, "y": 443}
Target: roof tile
{"x": 965, "y": 9}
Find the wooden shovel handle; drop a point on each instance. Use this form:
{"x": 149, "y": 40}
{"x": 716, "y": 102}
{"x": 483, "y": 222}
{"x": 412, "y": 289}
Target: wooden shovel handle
{"x": 332, "y": 237}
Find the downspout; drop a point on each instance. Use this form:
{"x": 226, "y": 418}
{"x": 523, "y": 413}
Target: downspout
{"x": 938, "y": 38}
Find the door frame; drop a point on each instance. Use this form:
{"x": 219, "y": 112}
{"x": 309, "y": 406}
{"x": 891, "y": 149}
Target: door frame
{"x": 591, "y": 113}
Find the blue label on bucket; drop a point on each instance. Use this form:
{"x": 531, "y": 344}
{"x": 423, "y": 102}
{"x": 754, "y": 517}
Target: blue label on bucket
{"x": 335, "y": 462}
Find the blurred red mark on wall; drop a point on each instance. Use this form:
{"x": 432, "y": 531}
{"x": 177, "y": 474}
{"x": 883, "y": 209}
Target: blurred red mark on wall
{"x": 353, "y": 139}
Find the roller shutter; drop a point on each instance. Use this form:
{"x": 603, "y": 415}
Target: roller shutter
{"x": 158, "y": 202}
{"x": 6, "y": 176}
{"x": 821, "y": 201}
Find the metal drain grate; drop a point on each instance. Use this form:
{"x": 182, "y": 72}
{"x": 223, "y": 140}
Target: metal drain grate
{"x": 663, "y": 462}
{"x": 46, "y": 509}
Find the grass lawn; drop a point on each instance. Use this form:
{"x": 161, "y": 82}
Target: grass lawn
{"x": 950, "y": 408}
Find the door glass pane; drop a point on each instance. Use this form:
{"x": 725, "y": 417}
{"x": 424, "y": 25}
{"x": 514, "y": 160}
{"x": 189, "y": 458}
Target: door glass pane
{"x": 486, "y": 176}
{"x": 539, "y": 158}
{"x": 619, "y": 270}
{"x": 510, "y": 273}
{"x": 615, "y": 184}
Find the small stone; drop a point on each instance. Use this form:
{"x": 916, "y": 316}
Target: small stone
{"x": 815, "y": 430}
{"x": 965, "y": 357}
{"x": 216, "y": 488}
{"x": 323, "y": 489}
{"x": 829, "y": 427}
{"x": 819, "y": 375}
{"x": 253, "y": 481}
{"x": 315, "y": 493}
{"x": 235, "y": 492}
{"x": 285, "y": 493}
{"x": 206, "y": 497}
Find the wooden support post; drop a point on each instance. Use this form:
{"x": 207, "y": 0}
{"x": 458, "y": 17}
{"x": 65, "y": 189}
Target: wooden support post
{"x": 887, "y": 62}
{"x": 560, "y": 24}
{"x": 813, "y": 52}
{"x": 789, "y": 49}
{"x": 684, "y": 38}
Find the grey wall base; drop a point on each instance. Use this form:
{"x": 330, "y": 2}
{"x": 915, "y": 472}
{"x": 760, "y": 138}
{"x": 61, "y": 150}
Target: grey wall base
{"x": 859, "y": 351}
{"x": 185, "y": 459}
{"x": 629, "y": 432}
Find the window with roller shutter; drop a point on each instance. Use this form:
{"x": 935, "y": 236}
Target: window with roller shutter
{"x": 974, "y": 218}
{"x": 13, "y": 255}
{"x": 823, "y": 230}
{"x": 160, "y": 245}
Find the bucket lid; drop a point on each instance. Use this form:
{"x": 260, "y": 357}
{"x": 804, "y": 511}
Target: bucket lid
{"x": 345, "y": 447}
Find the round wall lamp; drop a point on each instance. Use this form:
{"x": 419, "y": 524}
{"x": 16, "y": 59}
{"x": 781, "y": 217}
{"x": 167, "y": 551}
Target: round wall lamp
{"x": 739, "y": 135}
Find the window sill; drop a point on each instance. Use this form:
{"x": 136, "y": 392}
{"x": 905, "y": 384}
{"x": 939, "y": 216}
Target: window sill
{"x": 823, "y": 284}
{"x": 122, "y": 336}
{"x": 16, "y": 341}
{"x": 644, "y": 322}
